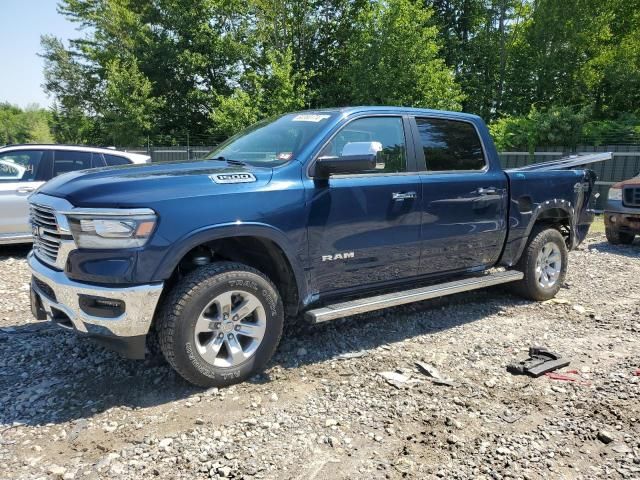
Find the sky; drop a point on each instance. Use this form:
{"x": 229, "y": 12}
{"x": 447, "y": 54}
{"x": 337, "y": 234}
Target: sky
{"x": 21, "y": 24}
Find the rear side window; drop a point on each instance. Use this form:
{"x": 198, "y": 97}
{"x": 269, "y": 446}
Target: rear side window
{"x": 113, "y": 160}
{"x": 69, "y": 161}
{"x": 450, "y": 145}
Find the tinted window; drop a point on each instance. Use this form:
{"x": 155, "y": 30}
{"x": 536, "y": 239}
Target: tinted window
{"x": 68, "y": 161}
{"x": 388, "y": 131}
{"x": 19, "y": 165}
{"x": 97, "y": 160}
{"x": 450, "y": 145}
{"x": 113, "y": 160}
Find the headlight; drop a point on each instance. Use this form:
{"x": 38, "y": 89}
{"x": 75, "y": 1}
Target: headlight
{"x": 615, "y": 194}
{"x": 111, "y": 229}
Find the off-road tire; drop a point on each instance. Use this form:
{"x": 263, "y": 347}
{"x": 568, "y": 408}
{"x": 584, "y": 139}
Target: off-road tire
{"x": 529, "y": 287}
{"x": 616, "y": 237}
{"x": 182, "y": 307}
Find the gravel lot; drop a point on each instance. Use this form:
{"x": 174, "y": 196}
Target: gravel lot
{"x": 71, "y": 409}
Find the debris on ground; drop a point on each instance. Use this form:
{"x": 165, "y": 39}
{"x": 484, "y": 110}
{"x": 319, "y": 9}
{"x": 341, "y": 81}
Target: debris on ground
{"x": 398, "y": 380}
{"x": 557, "y": 301}
{"x": 540, "y": 361}
{"x": 567, "y": 376}
{"x": 433, "y": 374}
{"x": 351, "y": 355}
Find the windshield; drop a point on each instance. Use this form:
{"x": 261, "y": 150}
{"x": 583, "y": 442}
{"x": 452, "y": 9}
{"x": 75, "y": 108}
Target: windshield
{"x": 273, "y": 141}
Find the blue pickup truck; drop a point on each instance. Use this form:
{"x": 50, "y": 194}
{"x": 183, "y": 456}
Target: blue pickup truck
{"x": 314, "y": 215}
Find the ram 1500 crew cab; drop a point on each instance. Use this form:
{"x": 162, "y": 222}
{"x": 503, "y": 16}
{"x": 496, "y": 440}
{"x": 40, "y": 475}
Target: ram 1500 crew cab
{"x": 317, "y": 215}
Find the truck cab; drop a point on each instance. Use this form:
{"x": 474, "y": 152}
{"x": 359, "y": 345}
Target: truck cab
{"x": 311, "y": 215}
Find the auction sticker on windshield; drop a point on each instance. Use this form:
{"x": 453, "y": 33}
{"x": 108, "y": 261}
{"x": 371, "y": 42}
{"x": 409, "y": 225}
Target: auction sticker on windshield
{"x": 310, "y": 118}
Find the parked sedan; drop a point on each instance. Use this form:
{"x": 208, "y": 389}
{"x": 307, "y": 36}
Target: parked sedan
{"x": 24, "y": 168}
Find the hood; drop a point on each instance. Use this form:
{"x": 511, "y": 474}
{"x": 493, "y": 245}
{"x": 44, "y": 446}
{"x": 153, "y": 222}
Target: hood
{"x": 137, "y": 185}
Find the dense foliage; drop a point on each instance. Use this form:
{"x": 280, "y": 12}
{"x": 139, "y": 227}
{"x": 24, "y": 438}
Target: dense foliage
{"x": 24, "y": 126}
{"x": 541, "y": 71}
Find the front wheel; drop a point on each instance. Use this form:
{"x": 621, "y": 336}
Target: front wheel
{"x": 221, "y": 324}
{"x": 544, "y": 264}
{"x": 616, "y": 237}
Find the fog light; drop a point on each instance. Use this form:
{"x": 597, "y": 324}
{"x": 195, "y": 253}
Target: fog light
{"x": 612, "y": 219}
{"x": 101, "y": 307}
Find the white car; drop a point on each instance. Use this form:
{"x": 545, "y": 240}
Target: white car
{"x": 24, "y": 168}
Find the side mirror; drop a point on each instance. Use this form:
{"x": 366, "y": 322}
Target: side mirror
{"x": 356, "y": 157}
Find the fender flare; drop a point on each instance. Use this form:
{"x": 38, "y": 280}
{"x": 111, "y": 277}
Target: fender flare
{"x": 215, "y": 232}
{"x": 545, "y": 206}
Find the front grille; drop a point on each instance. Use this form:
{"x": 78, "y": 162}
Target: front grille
{"x": 631, "y": 196}
{"x": 46, "y": 236}
{"x": 46, "y": 290}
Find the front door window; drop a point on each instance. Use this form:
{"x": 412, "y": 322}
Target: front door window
{"x": 388, "y": 131}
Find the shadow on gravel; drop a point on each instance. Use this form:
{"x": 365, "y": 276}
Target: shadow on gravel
{"x": 342, "y": 339}
{"x": 49, "y": 375}
{"x": 632, "y": 251}
{"x": 17, "y": 251}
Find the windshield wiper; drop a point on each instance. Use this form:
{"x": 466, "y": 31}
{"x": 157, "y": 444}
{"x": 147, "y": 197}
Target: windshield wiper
{"x": 229, "y": 160}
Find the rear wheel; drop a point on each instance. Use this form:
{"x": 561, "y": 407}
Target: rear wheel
{"x": 544, "y": 264}
{"x": 616, "y": 237}
{"x": 221, "y": 324}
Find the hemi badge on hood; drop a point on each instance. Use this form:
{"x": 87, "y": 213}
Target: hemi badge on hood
{"x": 233, "y": 177}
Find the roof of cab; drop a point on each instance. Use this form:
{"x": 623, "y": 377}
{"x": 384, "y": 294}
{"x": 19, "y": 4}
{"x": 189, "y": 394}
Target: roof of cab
{"x": 397, "y": 110}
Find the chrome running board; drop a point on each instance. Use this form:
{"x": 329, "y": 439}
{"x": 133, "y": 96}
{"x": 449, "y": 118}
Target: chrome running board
{"x": 362, "y": 305}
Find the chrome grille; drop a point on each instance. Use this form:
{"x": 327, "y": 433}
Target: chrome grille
{"x": 631, "y": 196}
{"x": 46, "y": 235}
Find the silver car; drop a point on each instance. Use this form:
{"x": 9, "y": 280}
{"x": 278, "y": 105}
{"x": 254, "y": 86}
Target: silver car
{"x": 24, "y": 168}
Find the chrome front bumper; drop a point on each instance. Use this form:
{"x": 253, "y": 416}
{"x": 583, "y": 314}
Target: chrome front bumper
{"x": 62, "y": 300}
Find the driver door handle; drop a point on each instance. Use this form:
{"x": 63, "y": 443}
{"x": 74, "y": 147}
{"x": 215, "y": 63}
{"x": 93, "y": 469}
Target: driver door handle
{"x": 25, "y": 189}
{"x": 487, "y": 191}
{"x": 404, "y": 195}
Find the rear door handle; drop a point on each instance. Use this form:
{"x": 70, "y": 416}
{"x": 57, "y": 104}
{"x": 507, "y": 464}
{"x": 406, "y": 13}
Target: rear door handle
{"x": 404, "y": 195}
{"x": 25, "y": 189}
{"x": 487, "y": 191}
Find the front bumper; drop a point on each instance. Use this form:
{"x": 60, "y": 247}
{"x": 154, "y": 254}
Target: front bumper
{"x": 57, "y": 298}
{"x": 624, "y": 222}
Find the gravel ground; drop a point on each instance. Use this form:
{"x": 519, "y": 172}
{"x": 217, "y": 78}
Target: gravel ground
{"x": 345, "y": 400}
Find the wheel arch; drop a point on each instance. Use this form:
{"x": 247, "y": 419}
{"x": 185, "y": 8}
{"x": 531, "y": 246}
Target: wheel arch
{"x": 260, "y": 246}
{"x": 557, "y": 214}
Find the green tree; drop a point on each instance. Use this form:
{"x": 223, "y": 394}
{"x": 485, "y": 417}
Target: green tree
{"x": 75, "y": 92}
{"x": 274, "y": 90}
{"x": 184, "y": 55}
{"x": 129, "y": 107}
{"x": 573, "y": 74}
{"x": 393, "y": 58}
{"x": 29, "y": 125}
{"x": 210, "y": 67}
{"x": 476, "y": 38}
{"x": 557, "y": 126}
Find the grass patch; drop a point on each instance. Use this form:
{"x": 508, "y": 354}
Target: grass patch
{"x": 598, "y": 225}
